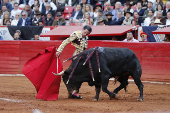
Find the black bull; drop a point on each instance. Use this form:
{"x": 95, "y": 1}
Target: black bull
{"x": 114, "y": 62}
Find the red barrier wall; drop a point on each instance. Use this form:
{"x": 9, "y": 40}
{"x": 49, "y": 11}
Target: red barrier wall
{"x": 154, "y": 57}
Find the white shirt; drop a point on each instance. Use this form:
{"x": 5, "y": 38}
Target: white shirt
{"x": 69, "y": 2}
{"x": 133, "y": 40}
{"x": 14, "y": 22}
{"x": 167, "y": 22}
{"x": 13, "y": 12}
{"x": 23, "y": 22}
{"x": 147, "y": 21}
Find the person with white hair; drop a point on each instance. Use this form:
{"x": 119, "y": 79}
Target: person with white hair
{"x": 24, "y": 20}
{"x": 117, "y": 8}
{"x": 167, "y": 8}
{"x": 43, "y": 6}
{"x": 47, "y": 10}
{"x": 15, "y": 21}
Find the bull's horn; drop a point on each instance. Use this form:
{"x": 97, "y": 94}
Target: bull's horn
{"x": 67, "y": 82}
{"x": 99, "y": 70}
{"x": 84, "y": 63}
{"x": 62, "y": 72}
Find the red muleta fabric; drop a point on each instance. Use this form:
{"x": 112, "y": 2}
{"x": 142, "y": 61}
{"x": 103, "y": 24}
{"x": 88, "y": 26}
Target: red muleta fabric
{"x": 39, "y": 71}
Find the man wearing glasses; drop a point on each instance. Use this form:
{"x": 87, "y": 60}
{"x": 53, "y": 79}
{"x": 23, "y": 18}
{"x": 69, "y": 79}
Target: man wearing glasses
{"x": 24, "y": 20}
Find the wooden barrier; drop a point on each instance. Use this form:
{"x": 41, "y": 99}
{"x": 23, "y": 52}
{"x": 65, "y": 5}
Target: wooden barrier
{"x": 154, "y": 57}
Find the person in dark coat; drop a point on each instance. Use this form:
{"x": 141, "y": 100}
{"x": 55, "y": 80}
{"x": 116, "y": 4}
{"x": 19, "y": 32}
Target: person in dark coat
{"x": 24, "y": 20}
{"x": 167, "y": 9}
{"x": 36, "y": 19}
{"x": 138, "y": 20}
{"x": 47, "y": 10}
{"x": 108, "y": 19}
{"x": 49, "y": 19}
{"x": 118, "y": 20}
{"x": 8, "y": 5}
{"x": 139, "y": 9}
{"x": 78, "y": 14}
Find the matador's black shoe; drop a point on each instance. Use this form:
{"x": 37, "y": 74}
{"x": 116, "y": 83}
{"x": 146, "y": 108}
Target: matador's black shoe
{"x": 75, "y": 96}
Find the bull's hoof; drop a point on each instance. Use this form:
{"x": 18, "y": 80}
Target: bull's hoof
{"x": 75, "y": 96}
{"x": 140, "y": 99}
{"x": 114, "y": 96}
{"x": 94, "y": 100}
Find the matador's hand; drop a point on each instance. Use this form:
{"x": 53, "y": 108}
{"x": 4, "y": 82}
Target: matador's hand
{"x": 58, "y": 54}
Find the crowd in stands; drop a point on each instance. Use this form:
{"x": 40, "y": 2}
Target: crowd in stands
{"x": 84, "y": 12}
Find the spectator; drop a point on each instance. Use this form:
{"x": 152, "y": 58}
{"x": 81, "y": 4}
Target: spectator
{"x": 152, "y": 22}
{"x": 144, "y": 36}
{"x": 101, "y": 21}
{"x": 68, "y": 23}
{"x": 86, "y": 19}
{"x": 36, "y": 19}
{"x": 157, "y": 22}
{"x": 117, "y": 8}
{"x": 59, "y": 21}
{"x": 83, "y": 3}
{"x": 8, "y": 5}
{"x": 138, "y": 20}
{"x": 36, "y": 37}
{"x": 77, "y": 22}
{"x": 24, "y": 20}
{"x": 167, "y": 9}
{"x": 19, "y": 32}
{"x": 144, "y": 4}
{"x": 167, "y": 38}
{"x": 159, "y": 2}
{"x": 128, "y": 18}
{"x": 88, "y": 8}
{"x": 15, "y": 21}
{"x": 92, "y": 2}
{"x": 15, "y": 10}
{"x": 100, "y": 14}
{"x": 168, "y": 18}
{"x": 160, "y": 17}
{"x": 130, "y": 38}
{"x": 109, "y": 19}
{"x": 112, "y": 2}
{"x": 60, "y": 5}
{"x": 8, "y": 22}
{"x": 1, "y": 38}
{"x": 159, "y": 8}
{"x": 4, "y": 9}
{"x": 95, "y": 9}
{"x": 47, "y": 10}
{"x": 50, "y": 5}
{"x": 36, "y": 9}
{"x": 49, "y": 19}
{"x": 36, "y": 3}
{"x": 127, "y": 7}
{"x": 5, "y": 17}
{"x": 40, "y": 23}
{"x": 71, "y": 3}
{"x": 28, "y": 10}
{"x": 23, "y": 2}
{"x": 139, "y": 9}
{"x": 119, "y": 19}
{"x": 16, "y": 37}
{"x": 78, "y": 14}
{"x": 108, "y": 8}
{"x": 147, "y": 20}
{"x": 150, "y": 7}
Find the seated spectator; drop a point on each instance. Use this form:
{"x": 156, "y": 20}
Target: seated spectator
{"x": 101, "y": 21}
{"x": 15, "y": 10}
{"x": 59, "y": 21}
{"x": 168, "y": 18}
{"x": 23, "y": 2}
{"x": 19, "y": 32}
{"x": 40, "y": 23}
{"x": 71, "y": 3}
{"x": 36, "y": 37}
{"x": 28, "y": 10}
{"x": 47, "y": 10}
{"x": 128, "y": 18}
{"x": 167, "y": 9}
{"x": 159, "y": 2}
{"x": 118, "y": 20}
{"x": 8, "y": 22}
{"x": 78, "y": 14}
{"x": 138, "y": 20}
{"x": 24, "y": 20}
{"x": 144, "y": 37}
{"x": 108, "y": 8}
{"x": 36, "y": 19}
{"x": 157, "y": 22}
{"x": 159, "y": 8}
{"x": 5, "y": 17}
{"x": 60, "y": 5}
{"x": 15, "y": 21}
{"x": 95, "y": 9}
{"x": 108, "y": 19}
{"x": 49, "y": 19}
{"x": 139, "y": 9}
{"x": 77, "y": 22}
{"x": 152, "y": 22}
{"x": 130, "y": 38}
{"x": 167, "y": 38}
{"x": 68, "y": 23}
{"x": 16, "y": 37}
{"x": 4, "y": 9}
{"x": 147, "y": 20}
{"x": 86, "y": 19}
{"x": 150, "y": 7}
{"x": 83, "y": 3}
{"x": 89, "y": 9}
{"x": 36, "y": 9}
{"x": 92, "y": 2}
{"x": 127, "y": 7}
{"x": 117, "y": 8}
{"x": 144, "y": 4}
{"x": 160, "y": 17}
{"x": 8, "y": 5}
{"x": 36, "y": 3}
{"x": 1, "y": 38}
{"x": 43, "y": 6}
{"x": 100, "y": 14}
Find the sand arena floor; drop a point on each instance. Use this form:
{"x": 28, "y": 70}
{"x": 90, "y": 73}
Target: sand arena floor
{"x": 17, "y": 95}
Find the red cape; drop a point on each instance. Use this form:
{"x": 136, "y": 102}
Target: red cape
{"x": 39, "y": 71}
